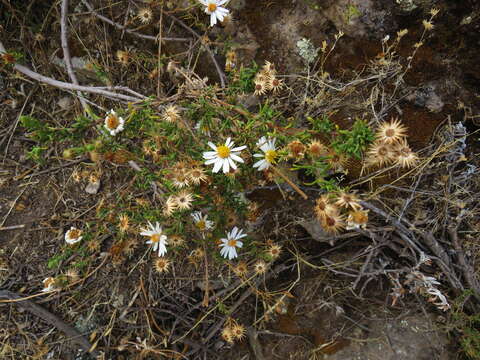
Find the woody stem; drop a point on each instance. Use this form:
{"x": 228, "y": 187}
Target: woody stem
{"x": 290, "y": 182}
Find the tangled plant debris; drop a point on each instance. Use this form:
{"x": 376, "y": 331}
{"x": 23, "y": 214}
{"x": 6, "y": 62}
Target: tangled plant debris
{"x": 178, "y": 182}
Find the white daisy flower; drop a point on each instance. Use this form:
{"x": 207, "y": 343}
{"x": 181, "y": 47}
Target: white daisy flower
{"x": 113, "y": 123}
{"x": 223, "y": 156}
{"x": 73, "y": 236}
{"x": 230, "y": 244}
{"x": 269, "y": 153}
{"x": 157, "y": 238}
{"x": 214, "y": 9}
{"x": 201, "y": 221}
{"x": 48, "y": 284}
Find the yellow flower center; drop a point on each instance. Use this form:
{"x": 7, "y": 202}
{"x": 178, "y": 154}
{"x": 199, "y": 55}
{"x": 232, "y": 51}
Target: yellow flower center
{"x": 232, "y": 242}
{"x": 223, "y": 151}
{"x": 155, "y": 238}
{"x": 74, "y": 234}
{"x": 112, "y": 122}
{"x": 212, "y": 7}
{"x": 270, "y": 155}
{"x": 201, "y": 225}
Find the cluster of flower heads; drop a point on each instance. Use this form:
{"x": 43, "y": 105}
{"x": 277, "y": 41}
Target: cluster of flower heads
{"x": 233, "y": 331}
{"x": 266, "y": 80}
{"x": 340, "y": 212}
{"x": 391, "y": 146}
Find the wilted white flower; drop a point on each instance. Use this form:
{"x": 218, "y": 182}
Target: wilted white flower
{"x": 269, "y": 153}
{"x": 229, "y": 245}
{"x": 48, "y": 284}
{"x": 156, "y": 237}
{"x": 215, "y": 10}
{"x": 224, "y": 156}
{"x": 73, "y": 236}
{"x": 113, "y": 123}
{"x": 201, "y": 221}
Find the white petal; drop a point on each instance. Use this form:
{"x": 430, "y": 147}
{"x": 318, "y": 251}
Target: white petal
{"x": 239, "y": 148}
{"x": 228, "y": 142}
{"x": 226, "y": 166}
{"x": 232, "y": 164}
{"x": 212, "y": 145}
{"x": 213, "y": 19}
{"x": 236, "y": 157}
{"x": 239, "y": 244}
{"x": 217, "y": 166}
{"x": 211, "y": 161}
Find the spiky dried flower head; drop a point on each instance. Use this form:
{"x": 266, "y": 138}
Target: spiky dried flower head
{"x": 93, "y": 245}
{"x": 428, "y": 25}
{"x": 391, "y": 132}
{"x": 197, "y": 175}
{"x": 274, "y": 251}
{"x": 379, "y": 154}
{"x": 145, "y": 15}
{"x": 269, "y": 68}
{"x": 198, "y": 253}
{"x": 123, "y": 57}
{"x": 260, "y": 87}
{"x": 227, "y": 334}
{"x": 231, "y": 219}
{"x": 332, "y": 223}
{"x": 316, "y": 149}
{"x": 348, "y": 200}
{"x": 275, "y": 84}
{"x": 170, "y": 206}
{"x": 322, "y": 210}
{"x": 434, "y": 11}
{"x": 162, "y": 265}
{"x": 357, "y": 219}
{"x": 72, "y": 275}
{"x": 296, "y": 149}
{"x": 180, "y": 178}
{"x": 129, "y": 246}
{"x": 238, "y": 331}
{"x": 336, "y": 161}
{"x": 184, "y": 200}
{"x": 404, "y": 155}
{"x": 171, "y": 114}
{"x": 260, "y": 267}
{"x": 176, "y": 240}
{"x": 241, "y": 269}
{"x": 124, "y": 223}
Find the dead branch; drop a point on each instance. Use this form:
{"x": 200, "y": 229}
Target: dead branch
{"x": 129, "y": 31}
{"x": 221, "y": 75}
{"x": 254, "y": 343}
{"x": 52, "y": 319}
{"x": 66, "y": 50}
{"x": 69, "y": 86}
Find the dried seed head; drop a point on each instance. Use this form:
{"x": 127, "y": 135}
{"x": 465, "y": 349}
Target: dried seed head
{"x": 241, "y": 269}
{"x": 238, "y": 331}
{"x": 260, "y": 267}
{"x": 391, "y": 132}
{"x": 332, "y": 223}
{"x": 296, "y": 149}
{"x": 145, "y": 15}
{"x": 123, "y": 57}
{"x": 162, "y": 265}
